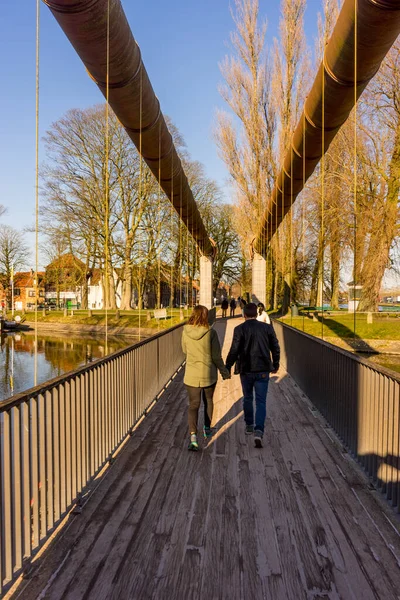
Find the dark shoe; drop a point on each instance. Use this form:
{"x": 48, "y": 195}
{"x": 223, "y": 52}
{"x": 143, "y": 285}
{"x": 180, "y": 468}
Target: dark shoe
{"x": 249, "y": 430}
{"x": 258, "y": 439}
{"x": 207, "y": 432}
{"x": 194, "y": 446}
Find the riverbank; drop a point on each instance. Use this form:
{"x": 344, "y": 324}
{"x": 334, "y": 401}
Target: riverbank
{"x": 131, "y": 323}
{"x": 98, "y": 330}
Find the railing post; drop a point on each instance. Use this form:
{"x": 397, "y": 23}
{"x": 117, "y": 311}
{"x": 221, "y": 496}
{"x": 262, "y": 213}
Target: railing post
{"x": 259, "y": 279}
{"x": 206, "y": 281}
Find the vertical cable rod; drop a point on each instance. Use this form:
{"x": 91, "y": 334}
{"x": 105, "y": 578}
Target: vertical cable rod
{"x": 36, "y": 286}
{"x": 322, "y": 258}
{"x": 107, "y": 176}
{"x": 140, "y": 289}
{"x": 355, "y": 172}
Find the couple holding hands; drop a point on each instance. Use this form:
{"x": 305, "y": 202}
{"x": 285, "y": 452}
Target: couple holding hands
{"x": 255, "y": 354}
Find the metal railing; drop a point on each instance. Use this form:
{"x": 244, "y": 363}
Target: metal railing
{"x": 360, "y": 401}
{"x": 56, "y": 437}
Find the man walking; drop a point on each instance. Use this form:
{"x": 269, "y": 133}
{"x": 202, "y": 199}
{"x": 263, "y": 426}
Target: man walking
{"x": 252, "y": 346}
{"x": 232, "y": 304}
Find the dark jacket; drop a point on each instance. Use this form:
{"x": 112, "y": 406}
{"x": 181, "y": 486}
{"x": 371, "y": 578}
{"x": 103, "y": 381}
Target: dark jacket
{"x": 252, "y": 345}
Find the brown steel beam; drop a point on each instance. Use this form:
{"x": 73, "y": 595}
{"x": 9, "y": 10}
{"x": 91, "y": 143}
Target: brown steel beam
{"x": 378, "y": 25}
{"x": 130, "y": 95}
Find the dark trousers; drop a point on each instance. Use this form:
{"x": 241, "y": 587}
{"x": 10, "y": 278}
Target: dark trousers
{"x": 195, "y": 395}
{"x": 233, "y": 312}
{"x": 257, "y": 383}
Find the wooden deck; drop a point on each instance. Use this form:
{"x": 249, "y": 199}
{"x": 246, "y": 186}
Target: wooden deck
{"x": 291, "y": 521}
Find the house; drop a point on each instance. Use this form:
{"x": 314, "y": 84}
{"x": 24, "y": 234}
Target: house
{"x": 24, "y": 292}
{"x": 65, "y": 280}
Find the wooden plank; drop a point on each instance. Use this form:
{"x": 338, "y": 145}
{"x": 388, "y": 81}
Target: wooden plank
{"x": 336, "y": 554}
{"x": 123, "y": 525}
{"x": 293, "y": 520}
{"x": 86, "y": 528}
{"x": 355, "y": 526}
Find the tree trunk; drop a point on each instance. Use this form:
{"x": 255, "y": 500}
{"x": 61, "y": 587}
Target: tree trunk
{"x": 127, "y": 287}
{"x": 335, "y": 267}
{"x": 382, "y": 236}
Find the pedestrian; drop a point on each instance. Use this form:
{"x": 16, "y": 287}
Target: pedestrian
{"x": 262, "y": 314}
{"x": 242, "y": 304}
{"x": 232, "y": 304}
{"x": 203, "y": 361}
{"x": 255, "y": 350}
{"x": 224, "y": 307}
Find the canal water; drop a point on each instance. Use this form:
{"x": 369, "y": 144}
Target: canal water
{"x": 56, "y": 354}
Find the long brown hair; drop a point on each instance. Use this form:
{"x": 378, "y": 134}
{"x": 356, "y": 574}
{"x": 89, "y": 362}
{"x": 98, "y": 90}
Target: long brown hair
{"x": 199, "y": 316}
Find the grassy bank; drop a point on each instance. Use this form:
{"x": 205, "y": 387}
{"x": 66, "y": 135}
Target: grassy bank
{"x": 126, "y": 319}
{"x": 342, "y": 326}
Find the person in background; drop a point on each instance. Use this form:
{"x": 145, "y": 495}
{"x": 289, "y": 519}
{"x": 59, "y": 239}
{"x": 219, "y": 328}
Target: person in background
{"x": 242, "y": 304}
{"x": 252, "y": 346}
{"x": 232, "y": 304}
{"x": 262, "y": 314}
{"x": 203, "y": 361}
{"x": 224, "y": 307}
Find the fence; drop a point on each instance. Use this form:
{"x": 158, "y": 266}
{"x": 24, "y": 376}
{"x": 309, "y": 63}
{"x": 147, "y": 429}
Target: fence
{"x": 359, "y": 400}
{"x": 56, "y": 437}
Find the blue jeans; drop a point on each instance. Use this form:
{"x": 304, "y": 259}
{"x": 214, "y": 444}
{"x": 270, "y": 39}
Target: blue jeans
{"x": 259, "y": 383}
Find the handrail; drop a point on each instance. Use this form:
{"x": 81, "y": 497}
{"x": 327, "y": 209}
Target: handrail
{"x": 47, "y": 385}
{"x": 359, "y": 400}
{"x": 56, "y": 437}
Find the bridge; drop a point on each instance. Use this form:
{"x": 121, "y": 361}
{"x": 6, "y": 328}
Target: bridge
{"x": 99, "y": 497}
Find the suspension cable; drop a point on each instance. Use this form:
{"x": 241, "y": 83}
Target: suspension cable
{"x": 355, "y": 172}
{"x": 36, "y": 286}
{"x": 322, "y": 257}
{"x": 107, "y": 182}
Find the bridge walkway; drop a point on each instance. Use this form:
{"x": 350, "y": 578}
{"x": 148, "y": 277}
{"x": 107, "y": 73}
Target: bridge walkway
{"x": 291, "y": 521}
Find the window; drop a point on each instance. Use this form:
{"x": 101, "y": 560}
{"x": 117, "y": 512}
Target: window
{"x": 17, "y": 292}
{"x": 41, "y": 293}
{"x": 31, "y": 293}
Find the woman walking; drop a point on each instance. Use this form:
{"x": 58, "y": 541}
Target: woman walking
{"x": 262, "y": 314}
{"x": 203, "y": 361}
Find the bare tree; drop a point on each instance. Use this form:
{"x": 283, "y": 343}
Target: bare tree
{"x": 383, "y": 190}
{"x": 259, "y": 90}
{"x": 248, "y": 151}
{"x": 14, "y": 254}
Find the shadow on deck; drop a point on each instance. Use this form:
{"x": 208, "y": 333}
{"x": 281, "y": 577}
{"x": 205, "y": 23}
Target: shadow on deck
{"x": 291, "y": 521}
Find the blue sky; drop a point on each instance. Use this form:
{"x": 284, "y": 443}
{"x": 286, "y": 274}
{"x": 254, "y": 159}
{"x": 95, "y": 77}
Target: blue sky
{"x": 182, "y": 42}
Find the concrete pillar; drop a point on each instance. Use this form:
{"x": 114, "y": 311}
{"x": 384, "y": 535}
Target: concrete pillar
{"x": 259, "y": 279}
{"x": 206, "y": 282}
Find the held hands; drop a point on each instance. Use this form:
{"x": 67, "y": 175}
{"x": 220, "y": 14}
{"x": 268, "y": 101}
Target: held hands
{"x": 226, "y": 374}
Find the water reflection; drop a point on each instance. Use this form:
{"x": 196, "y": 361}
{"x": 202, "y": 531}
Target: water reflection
{"x": 55, "y": 355}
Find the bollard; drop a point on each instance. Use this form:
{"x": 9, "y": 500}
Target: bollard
{"x": 315, "y": 316}
{"x": 117, "y": 314}
{"x": 181, "y": 315}
{"x": 90, "y": 313}
{"x": 369, "y": 318}
{"x": 65, "y": 312}
{"x": 148, "y": 315}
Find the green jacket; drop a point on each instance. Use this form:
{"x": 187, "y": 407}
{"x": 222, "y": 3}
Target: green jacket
{"x": 203, "y": 356}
